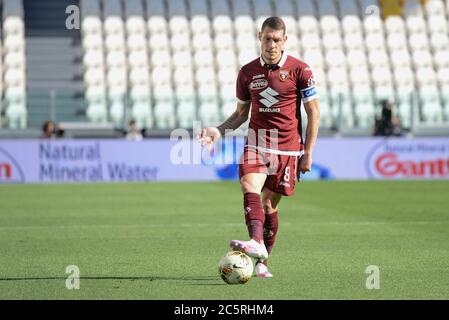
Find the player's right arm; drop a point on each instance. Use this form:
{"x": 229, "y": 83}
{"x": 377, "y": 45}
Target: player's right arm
{"x": 211, "y": 135}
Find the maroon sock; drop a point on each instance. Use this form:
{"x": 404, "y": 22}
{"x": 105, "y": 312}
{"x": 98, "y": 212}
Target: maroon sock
{"x": 270, "y": 230}
{"x": 254, "y": 215}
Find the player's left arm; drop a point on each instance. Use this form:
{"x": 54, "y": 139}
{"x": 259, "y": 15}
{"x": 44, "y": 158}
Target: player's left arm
{"x": 313, "y": 120}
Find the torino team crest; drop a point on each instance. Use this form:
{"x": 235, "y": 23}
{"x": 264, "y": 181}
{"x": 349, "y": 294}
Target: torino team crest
{"x": 283, "y": 74}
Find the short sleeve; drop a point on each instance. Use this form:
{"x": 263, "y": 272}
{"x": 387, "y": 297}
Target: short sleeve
{"x": 306, "y": 85}
{"x": 242, "y": 92}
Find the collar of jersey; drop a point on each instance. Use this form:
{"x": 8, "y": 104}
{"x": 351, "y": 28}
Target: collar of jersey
{"x": 280, "y": 64}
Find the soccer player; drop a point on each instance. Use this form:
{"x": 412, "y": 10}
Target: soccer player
{"x": 271, "y": 87}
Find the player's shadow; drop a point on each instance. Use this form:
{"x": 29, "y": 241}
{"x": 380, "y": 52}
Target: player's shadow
{"x": 131, "y": 278}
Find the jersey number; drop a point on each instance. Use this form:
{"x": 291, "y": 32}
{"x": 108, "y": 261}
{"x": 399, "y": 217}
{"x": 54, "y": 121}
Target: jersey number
{"x": 287, "y": 174}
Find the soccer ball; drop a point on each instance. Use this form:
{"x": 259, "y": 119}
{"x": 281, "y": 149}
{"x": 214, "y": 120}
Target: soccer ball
{"x": 235, "y": 268}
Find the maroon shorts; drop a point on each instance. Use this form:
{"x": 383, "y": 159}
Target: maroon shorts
{"x": 281, "y": 170}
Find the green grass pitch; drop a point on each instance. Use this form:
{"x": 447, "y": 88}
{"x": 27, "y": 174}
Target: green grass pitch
{"x": 164, "y": 240}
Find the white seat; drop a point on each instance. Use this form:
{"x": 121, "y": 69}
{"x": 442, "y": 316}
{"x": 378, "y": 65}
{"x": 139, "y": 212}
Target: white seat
{"x": 182, "y": 59}
{"x": 245, "y": 41}
{"x": 439, "y": 41}
{"x": 357, "y": 58}
{"x": 246, "y": 56}
{"x": 222, "y": 24}
{"x": 138, "y": 59}
{"x": 205, "y": 75}
{"x": 96, "y": 104}
{"x": 94, "y": 77}
{"x": 91, "y": 25}
{"x": 157, "y": 24}
{"x": 400, "y": 58}
{"x": 139, "y": 76}
{"x": 200, "y": 25}
{"x": 394, "y": 24}
{"x": 161, "y": 58}
{"x": 314, "y": 58}
{"x": 93, "y": 59}
{"x": 115, "y": 42}
{"x": 419, "y": 41}
{"x": 396, "y": 41}
{"x": 13, "y": 25}
{"x": 308, "y": 25}
{"x": 443, "y": 76}
{"x": 135, "y": 25}
{"x": 441, "y": 59}
{"x": 292, "y": 46}
{"x": 431, "y": 108}
{"x": 178, "y": 25}
{"x": 338, "y": 77}
{"x": 161, "y": 75}
{"x": 186, "y": 109}
{"x": 203, "y": 59}
{"x": 227, "y": 75}
{"x": 136, "y": 42}
{"x": 224, "y": 41}
{"x": 416, "y": 24}
{"x": 381, "y": 76}
{"x": 351, "y": 24}
{"x": 403, "y": 77}
{"x": 93, "y": 41}
{"x": 113, "y": 25}
{"x": 384, "y": 92}
{"x": 226, "y": 58}
{"x": 180, "y": 41}
{"x": 202, "y": 42}
{"x": 425, "y": 76}
{"x": 116, "y": 77}
{"x": 434, "y": 8}
{"x": 363, "y": 106}
{"x": 312, "y": 40}
{"x": 330, "y": 25}
{"x": 335, "y": 58}
{"x": 259, "y": 21}
{"x": 116, "y": 59}
{"x": 14, "y": 77}
{"x": 422, "y": 58}
{"x": 14, "y": 43}
{"x": 159, "y": 42}
{"x": 183, "y": 76}
{"x": 332, "y": 42}
{"x": 438, "y": 24}
{"x": 378, "y": 58}
{"x": 290, "y": 25}
{"x": 164, "y": 108}
{"x": 373, "y": 24}
{"x": 209, "y": 111}
{"x": 353, "y": 41}
{"x": 14, "y": 60}
{"x": 244, "y": 24}
{"x": 375, "y": 41}
{"x": 360, "y": 76}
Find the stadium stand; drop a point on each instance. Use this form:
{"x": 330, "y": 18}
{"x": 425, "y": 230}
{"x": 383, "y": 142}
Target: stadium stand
{"x": 168, "y": 63}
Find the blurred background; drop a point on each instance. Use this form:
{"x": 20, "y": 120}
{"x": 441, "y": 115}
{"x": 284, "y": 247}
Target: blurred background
{"x": 94, "y": 65}
{"x": 138, "y": 69}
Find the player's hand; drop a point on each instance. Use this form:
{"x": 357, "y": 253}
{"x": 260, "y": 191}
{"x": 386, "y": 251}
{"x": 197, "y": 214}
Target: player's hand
{"x": 209, "y": 136}
{"x": 305, "y": 163}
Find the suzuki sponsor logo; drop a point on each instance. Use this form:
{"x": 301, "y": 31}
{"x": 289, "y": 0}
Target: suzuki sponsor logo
{"x": 269, "y": 100}
{"x": 9, "y": 168}
{"x": 403, "y": 159}
{"x": 258, "y": 84}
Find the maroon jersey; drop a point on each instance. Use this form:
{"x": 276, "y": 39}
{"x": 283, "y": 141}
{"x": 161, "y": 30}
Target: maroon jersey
{"x": 275, "y": 93}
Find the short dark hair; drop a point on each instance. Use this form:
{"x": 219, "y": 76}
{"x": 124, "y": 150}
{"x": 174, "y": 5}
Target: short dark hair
{"x": 275, "y": 23}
